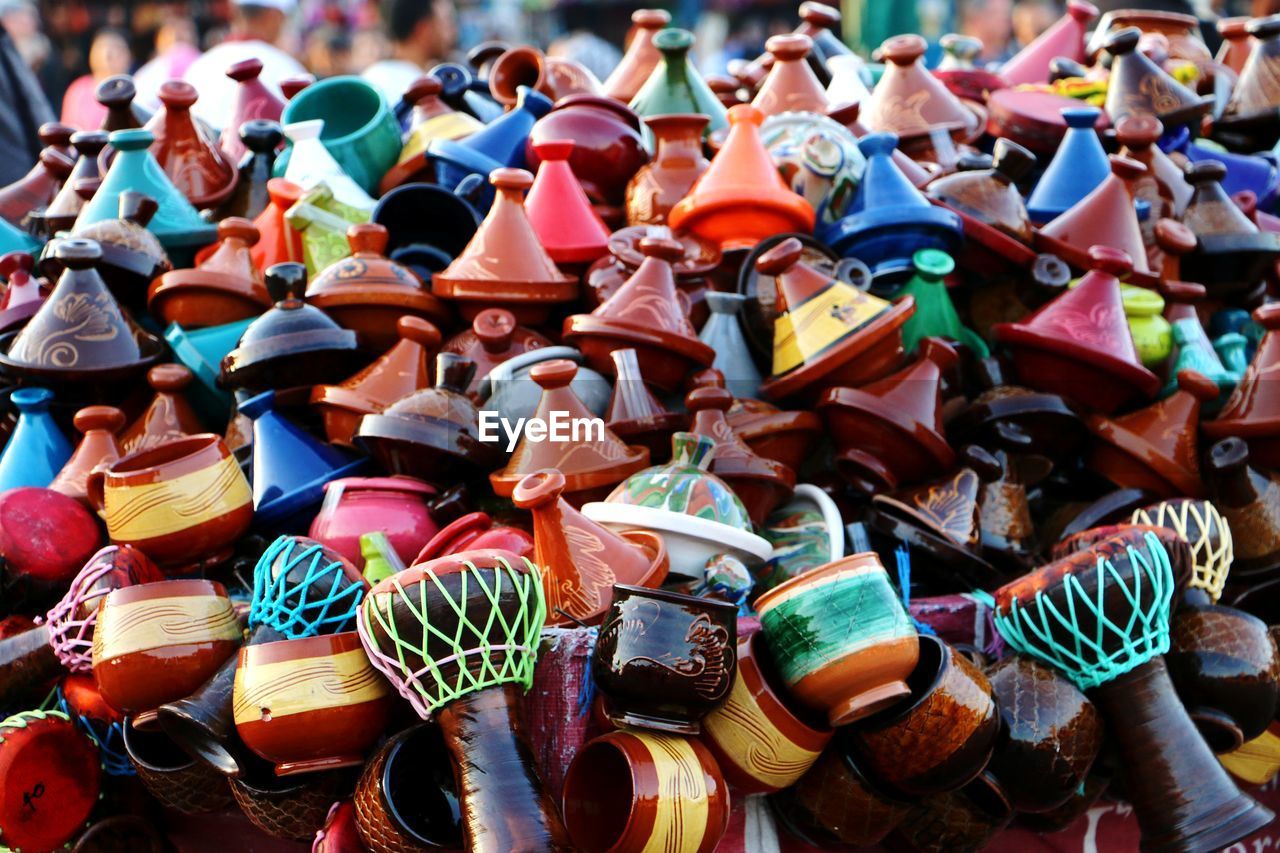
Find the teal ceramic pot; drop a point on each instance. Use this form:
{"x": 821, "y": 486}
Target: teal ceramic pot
{"x": 360, "y": 130}
{"x": 37, "y": 450}
{"x": 842, "y": 640}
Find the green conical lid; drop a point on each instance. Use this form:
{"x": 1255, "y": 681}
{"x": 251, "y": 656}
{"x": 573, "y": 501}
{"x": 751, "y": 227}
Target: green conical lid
{"x": 676, "y": 87}
{"x": 935, "y": 315}
{"x": 380, "y": 559}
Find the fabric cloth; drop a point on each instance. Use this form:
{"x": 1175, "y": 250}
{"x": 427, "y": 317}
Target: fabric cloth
{"x": 218, "y": 92}
{"x": 79, "y": 106}
{"x": 26, "y": 109}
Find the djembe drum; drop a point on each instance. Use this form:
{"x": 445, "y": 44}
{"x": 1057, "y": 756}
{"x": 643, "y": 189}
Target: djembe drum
{"x": 1207, "y": 534}
{"x": 1101, "y": 616}
{"x": 65, "y": 640}
{"x": 300, "y": 589}
{"x": 456, "y": 636}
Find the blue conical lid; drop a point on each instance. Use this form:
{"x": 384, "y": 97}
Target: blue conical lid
{"x": 37, "y": 450}
{"x": 1078, "y": 166}
{"x": 290, "y": 468}
{"x": 499, "y": 143}
{"x": 176, "y": 223}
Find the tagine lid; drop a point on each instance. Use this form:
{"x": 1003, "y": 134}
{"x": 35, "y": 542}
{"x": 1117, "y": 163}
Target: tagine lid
{"x": 168, "y": 416}
{"x": 948, "y": 508}
{"x": 709, "y": 406}
{"x": 910, "y": 102}
{"x": 1139, "y": 85}
{"x": 1032, "y": 117}
{"x": 505, "y": 259}
{"x": 400, "y": 371}
{"x": 367, "y": 277}
{"x": 585, "y": 464}
{"x": 22, "y": 296}
{"x": 990, "y": 196}
{"x": 1253, "y": 409}
{"x": 229, "y": 270}
{"x": 127, "y": 244}
{"x": 852, "y": 321}
{"x": 791, "y": 85}
{"x": 195, "y": 164}
{"x": 582, "y": 559}
{"x": 700, "y": 256}
{"x": 80, "y": 332}
{"x": 493, "y": 338}
{"x": 558, "y": 208}
{"x": 1065, "y": 37}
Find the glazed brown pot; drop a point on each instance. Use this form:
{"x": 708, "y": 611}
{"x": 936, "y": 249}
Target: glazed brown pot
{"x": 1224, "y": 665}
{"x": 158, "y": 642}
{"x": 184, "y": 503}
{"x": 760, "y": 739}
{"x": 406, "y": 799}
{"x": 664, "y": 660}
{"x": 175, "y": 779}
{"x": 634, "y": 790}
{"x": 293, "y": 808}
{"x": 941, "y": 737}
{"x": 833, "y": 804}
{"x": 966, "y": 819}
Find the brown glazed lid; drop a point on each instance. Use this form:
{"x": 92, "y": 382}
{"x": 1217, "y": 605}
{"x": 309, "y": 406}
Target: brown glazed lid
{"x": 168, "y": 416}
{"x": 1252, "y": 412}
{"x": 227, "y": 286}
{"x": 910, "y": 101}
{"x": 581, "y": 559}
{"x": 1210, "y": 210}
{"x": 116, "y": 93}
{"x": 1139, "y": 86}
{"x": 493, "y": 338}
{"x": 791, "y": 85}
{"x": 194, "y": 163}
{"x": 399, "y": 372}
{"x": 947, "y": 508}
{"x": 1137, "y": 134}
{"x": 1237, "y": 44}
{"x": 631, "y": 72}
{"x": 1249, "y": 500}
{"x": 1155, "y": 448}
{"x": 98, "y": 426}
{"x": 991, "y": 195}
{"x": 1257, "y": 93}
{"x": 635, "y": 414}
{"x": 588, "y": 465}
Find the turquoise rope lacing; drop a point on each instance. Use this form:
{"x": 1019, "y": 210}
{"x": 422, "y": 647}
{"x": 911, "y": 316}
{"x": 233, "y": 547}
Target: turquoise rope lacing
{"x": 1116, "y": 647}
{"x": 290, "y": 608}
{"x": 902, "y": 558}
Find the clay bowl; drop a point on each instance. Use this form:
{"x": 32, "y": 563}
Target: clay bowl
{"x": 406, "y": 799}
{"x": 627, "y": 789}
{"x": 841, "y": 638}
{"x": 175, "y": 779}
{"x": 664, "y": 660}
{"x": 665, "y": 359}
{"x": 1224, "y": 665}
{"x": 314, "y": 703}
{"x": 761, "y": 739}
{"x": 941, "y": 737}
{"x": 1053, "y": 734}
{"x": 834, "y": 806}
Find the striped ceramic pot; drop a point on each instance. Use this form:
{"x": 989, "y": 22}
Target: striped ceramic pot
{"x": 760, "y": 739}
{"x": 841, "y": 638}
{"x": 641, "y": 792}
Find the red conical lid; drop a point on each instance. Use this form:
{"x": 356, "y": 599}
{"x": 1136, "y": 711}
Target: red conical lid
{"x": 1105, "y": 217}
{"x": 648, "y": 299}
{"x": 278, "y": 242}
{"x": 1064, "y": 38}
{"x": 1253, "y": 409}
{"x": 558, "y": 208}
{"x": 910, "y": 101}
{"x": 197, "y": 167}
{"x": 791, "y": 85}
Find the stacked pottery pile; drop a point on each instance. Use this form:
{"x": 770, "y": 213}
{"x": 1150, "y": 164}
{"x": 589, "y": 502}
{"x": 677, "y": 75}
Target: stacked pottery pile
{"x": 839, "y": 452}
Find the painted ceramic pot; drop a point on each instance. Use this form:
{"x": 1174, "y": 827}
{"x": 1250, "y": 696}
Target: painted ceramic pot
{"x": 843, "y": 642}
{"x": 1225, "y": 667}
{"x": 360, "y": 130}
{"x": 834, "y": 804}
{"x": 818, "y": 158}
{"x": 406, "y": 800}
{"x": 806, "y": 532}
{"x": 631, "y": 790}
{"x": 158, "y": 642}
{"x": 942, "y": 737}
{"x": 51, "y": 780}
{"x": 1054, "y": 734}
{"x": 664, "y": 660}
{"x": 310, "y": 704}
{"x": 184, "y": 503}
{"x": 399, "y": 507}
{"x": 177, "y": 781}
{"x": 761, "y": 739}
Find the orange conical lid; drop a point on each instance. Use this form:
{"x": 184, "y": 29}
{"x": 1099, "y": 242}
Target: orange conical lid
{"x": 400, "y": 371}
{"x": 278, "y": 241}
{"x": 791, "y": 85}
{"x": 230, "y": 270}
{"x": 1155, "y": 448}
{"x": 99, "y": 424}
{"x": 580, "y": 559}
{"x": 741, "y": 198}
{"x": 648, "y": 299}
{"x": 1105, "y": 217}
{"x": 909, "y": 100}
{"x": 588, "y": 461}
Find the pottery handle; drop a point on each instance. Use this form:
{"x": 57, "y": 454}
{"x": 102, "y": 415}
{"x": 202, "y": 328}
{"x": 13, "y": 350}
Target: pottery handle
{"x": 94, "y": 488}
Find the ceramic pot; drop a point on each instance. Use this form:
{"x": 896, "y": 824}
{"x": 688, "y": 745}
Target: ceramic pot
{"x": 360, "y": 130}
{"x": 175, "y": 779}
{"x": 1224, "y": 665}
{"x": 664, "y": 660}
{"x": 965, "y": 819}
{"x": 942, "y": 737}
{"x": 184, "y": 503}
{"x": 98, "y": 446}
{"x": 160, "y": 641}
{"x": 51, "y": 780}
{"x": 310, "y": 704}
{"x": 293, "y": 809}
{"x": 1250, "y": 502}
{"x": 641, "y": 57}
{"x": 628, "y": 790}
{"x": 1054, "y": 734}
{"x": 36, "y": 450}
{"x": 168, "y": 416}
{"x": 399, "y": 507}
{"x": 476, "y": 531}
{"x": 494, "y": 337}
{"x": 842, "y": 640}
{"x": 1205, "y": 531}
{"x": 193, "y": 161}
{"x": 834, "y": 804}
{"x": 761, "y": 740}
{"x": 677, "y": 164}
{"x": 406, "y": 799}
{"x": 225, "y": 288}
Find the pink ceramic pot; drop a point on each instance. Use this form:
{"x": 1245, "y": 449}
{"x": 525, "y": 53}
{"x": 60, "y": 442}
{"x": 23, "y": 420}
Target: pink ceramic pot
{"x": 397, "y": 506}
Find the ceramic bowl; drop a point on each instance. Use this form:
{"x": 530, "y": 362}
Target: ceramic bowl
{"x": 177, "y": 781}
{"x": 314, "y": 703}
{"x": 663, "y": 660}
{"x": 157, "y": 642}
{"x": 842, "y": 639}
{"x": 761, "y": 739}
{"x": 183, "y": 503}
{"x": 941, "y": 737}
{"x": 833, "y": 805}
{"x": 406, "y": 799}
{"x": 630, "y": 790}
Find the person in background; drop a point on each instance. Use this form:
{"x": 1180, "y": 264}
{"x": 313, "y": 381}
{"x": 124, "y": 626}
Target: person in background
{"x": 257, "y": 30}
{"x": 990, "y": 21}
{"x": 1032, "y": 17}
{"x": 175, "y": 51}
{"x": 108, "y": 55}
{"x": 27, "y": 110}
{"x": 422, "y": 32}
{"x": 328, "y": 51}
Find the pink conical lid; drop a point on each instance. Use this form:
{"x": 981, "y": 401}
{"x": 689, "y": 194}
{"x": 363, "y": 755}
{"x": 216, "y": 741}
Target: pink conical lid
{"x": 1065, "y": 38}
{"x": 648, "y": 298}
{"x": 253, "y": 100}
{"x": 909, "y": 100}
{"x": 558, "y": 209}
{"x": 1105, "y": 217}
